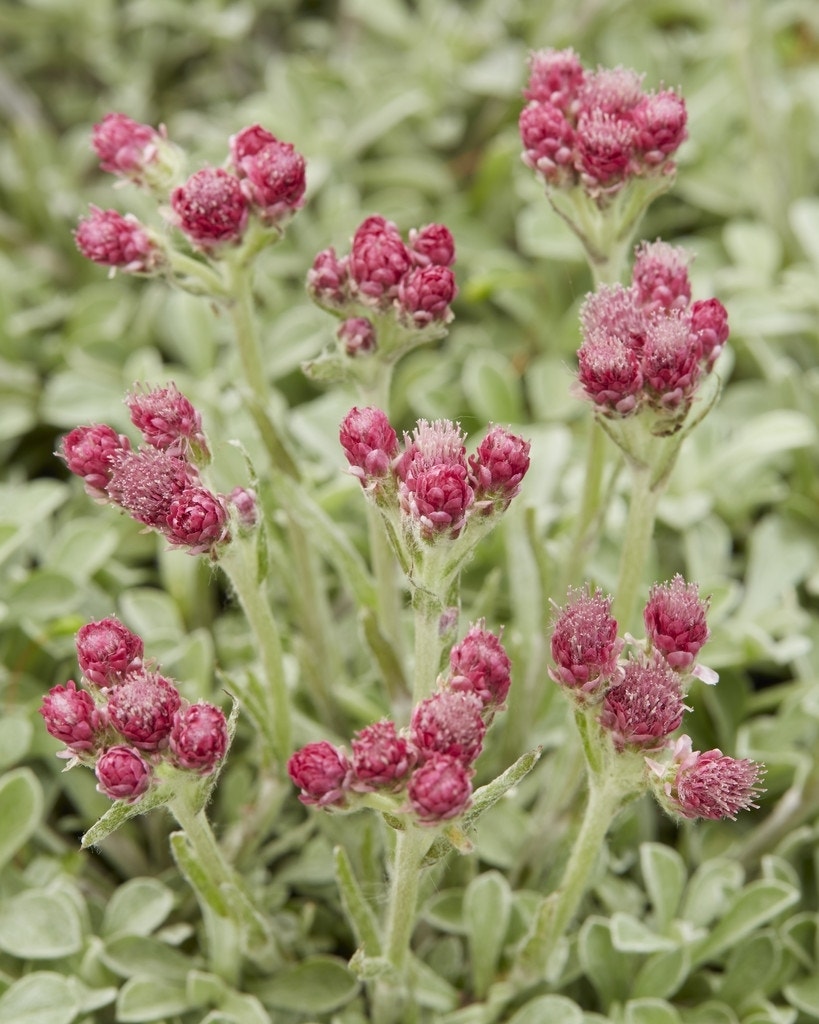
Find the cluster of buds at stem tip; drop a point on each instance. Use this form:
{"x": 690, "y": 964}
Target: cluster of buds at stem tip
{"x": 126, "y": 720}
{"x": 389, "y": 294}
{"x": 425, "y": 770}
{"x": 261, "y": 186}
{"x": 597, "y": 131}
{"x": 638, "y": 701}
{"x": 159, "y": 483}
{"x": 647, "y": 347}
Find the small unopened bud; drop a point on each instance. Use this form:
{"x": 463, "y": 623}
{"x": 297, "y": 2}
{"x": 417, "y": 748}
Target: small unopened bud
{"x": 609, "y": 373}
{"x": 585, "y": 645}
{"x": 711, "y": 784}
{"x": 432, "y": 244}
{"x": 437, "y": 499}
{"x": 211, "y": 209}
{"x": 671, "y": 365}
{"x": 604, "y": 146}
{"x": 660, "y": 276}
{"x": 125, "y": 147}
{"x": 246, "y": 503}
{"x": 369, "y": 442}
{"x": 321, "y": 771}
{"x": 248, "y": 142}
{"x": 499, "y": 465}
{"x": 107, "y": 650}
{"x": 449, "y": 722}
{"x": 71, "y": 716}
{"x": 378, "y": 261}
{"x": 660, "y": 120}
{"x": 90, "y": 452}
{"x": 123, "y": 774}
{"x": 328, "y": 280}
{"x": 480, "y": 665}
{"x": 548, "y": 141}
{"x": 117, "y": 241}
{"x": 167, "y": 420}
{"x": 381, "y": 758}
{"x": 675, "y": 620}
{"x": 142, "y": 708}
{"x": 273, "y": 179}
{"x": 555, "y": 76}
{"x": 357, "y": 336}
{"x": 709, "y": 328}
{"x": 440, "y": 789}
{"x": 199, "y": 737}
{"x": 424, "y": 295}
{"x": 197, "y": 520}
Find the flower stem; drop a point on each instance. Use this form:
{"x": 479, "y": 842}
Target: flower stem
{"x": 428, "y": 609}
{"x": 645, "y": 495}
{"x": 242, "y": 313}
{"x": 590, "y": 507}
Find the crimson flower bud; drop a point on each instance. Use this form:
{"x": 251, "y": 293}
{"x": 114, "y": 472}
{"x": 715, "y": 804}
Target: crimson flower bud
{"x": 125, "y": 147}
{"x": 555, "y": 76}
{"x": 246, "y": 504}
{"x": 432, "y": 244}
{"x": 168, "y": 421}
{"x": 199, "y": 737}
{"x": 322, "y": 772}
{"x": 142, "y": 708}
{"x": 660, "y": 276}
{"x": 107, "y": 650}
{"x": 378, "y": 261}
{"x": 437, "y": 499}
{"x": 660, "y": 120}
{"x": 479, "y": 665}
{"x": 424, "y": 295}
{"x": 670, "y": 364}
{"x": 369, "y": 442}
{"x": 709, "y": 328}
{"x": 198, "y": 520}
{"x": 117, "y": 241}
{"x": 613, "y": 91}
{"x": 357, "y": 335}
{"x": 440, "y": 789}
{"x": 645, "y": 707}
{"x": 327, "y": 280}
{"x": 71, "y": 716}
{"x": 609, "y": 373}
{"x": 605, "y": 150}
{"x": 548, "y": 141}
{"x": 211, "y": 208}
{"x": 675, "y": 621}
{"x": 499, "y": 465}
{"x": 90, "y": 452}
{"x": 273, "y": 178}
{"x": 711, "y": 784}
{"x": 585, "y": 646}
{"x": 123, "y": 774}
{"x": 381, "y": 758}
{"x": 248, "y": 142}
{"x": 449, "y": 722}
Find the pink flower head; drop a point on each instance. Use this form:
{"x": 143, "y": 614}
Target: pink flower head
{"x": 369, "y": 442}
{"x": 585, "y": 645}
{"x": 90, "y": 452}
{"x": 449, "y": 722}
{"x": 615, "y": 91}
{"x": 424, "y": 295}
{"x": 555, "y": 76}
{"x": 645, "y": 707}
{"x": 125, "y": 147}
{"x": 107, "y": 650}
{"x": 357, "y": 335}
{"x": 248, "y": 143}
{"x": 199, "y": 737}
{"x": 615, "y": 311}
{"x": 604, "y": 147}
{"x": 675, "y": 621}
{"x": 709, "y": 328}
{"x": 440, "y": 443}
{"x": 71, "y": 716}
{"x": 327, "y": 280}
{"x": 660, "y": 119}
{"x": 145, "y": 483}
{"x": 499, "y": 466}
{"x": 117, "y": 241}
{"x": 211, "y": 208}
{"x": 712, "y": 785}
{"x": 245, "y": 502}
{"x": 198, "y": 520}
{"x": 660, "y": 276}
{"x": 670, "y": 363}
{"x": 548, "y": 141}
{"x": 273, "y": 180}
{"x": 168, "y": 421}
{"x": 142, "y": 709}
{"x": 378, "y": 261}
{"x": 479, "y": 665}
{"x": 440, "y": 789}
{"x": 123, "y": 774}
{"x": 432, "y": 244}
{"x": 321, "y": 771}
{"x": 609, "y": 373}
{"x": 437, "y": 499}
{"x": 380, "y": 757}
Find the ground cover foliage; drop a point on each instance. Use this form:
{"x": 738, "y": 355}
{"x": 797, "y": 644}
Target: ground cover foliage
{"x": 408, "y": 110}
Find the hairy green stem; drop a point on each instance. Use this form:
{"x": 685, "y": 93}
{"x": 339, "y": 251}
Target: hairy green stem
{"x": 242, "y": 314}
{"x": 588, "y": 517}
{"x": 428, "y": 645}
{"x": 643, "y": 500}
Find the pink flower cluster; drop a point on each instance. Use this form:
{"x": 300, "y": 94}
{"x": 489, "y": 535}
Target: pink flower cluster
{"x": 639, "y": 701}
{"x": 158, "y": 484}
{"x": 265, "y": 180}
{"x": 383, "y": 275}
{"x": 129, "y": 719}
{"x": 431, "y": 479}
{"x": 596, "y": 129}
{"x": 648, "y": 345}
{"x": 429, "y": 764}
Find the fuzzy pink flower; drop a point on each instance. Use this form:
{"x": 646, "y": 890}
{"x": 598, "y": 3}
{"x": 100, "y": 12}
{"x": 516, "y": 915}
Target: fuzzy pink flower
{"x": 273, "y": 179}
{"x": 449, "y": 722}
{"x": 424, "y": 295}
{"x": 71, "y": 716}
{"x": 585, "y": 646}
{"x": 432, "y": 244}
{"x": 645, "y": 707}
{"x": 670, "y": 364}
{"x": 499, "y": 466}
{"x": 609, "y": 373}
{"x": 440, "y": 789}
{"x": 125, "y": 147}
{"x": 90, "y": 452}
{"x": 321, "y": 771}
{"x": 199, "y": 737}
{"x": 107, "y": 650}
{"x": 437, "y": 498}
{"x": 548, "y": 141}
{"x": 357, "y": 336}
{"x": 328, "y": 279}
{"x": 198, "y": 520}
{"x": 381, "y": 758}
{"x": 604, "y": 147}
{"x": 709, "y": 328}
{"x": 713, "y": 785}
{"x": 660, "y": 276}
{"x": 211, "y": 208}
{"x": 142, "y": 708}
{"x": 555, "y": 76}
{"x": 614, "y": 91}
{"x": 479, "y": 665}
{"x": 248, "y": 142}
{"x": 123, "y": 774}
{"x": 117, "y": 241}
{"x": 378, "y": 261}
{"x": 675, "y": 620}
{"x": 440, "y": 443}
{"x": 246, "y": 503}
{"x": 145, "y": 483}
{"x": 167, "y": 420}
{"x": 614, "y": 310}
{"x": 660, "y": 120}
{"x": 369, "y": 442}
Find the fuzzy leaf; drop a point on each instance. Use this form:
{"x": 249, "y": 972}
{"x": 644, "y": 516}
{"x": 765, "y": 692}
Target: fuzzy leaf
{"x": 756, "y": 904}
{"x": 318, "y": 984}
{"x": 650, "y": 1011}
{"x": 21, "y": 806}
{"x": 43, "y": 997}
{"x": 138, "y": 907}
{"x": 40, "y": 926}
{"x": 609, "y": 970}
{"x": 120, "y": 812}
{"x": 358, "y": 911}
{"x": 662, "y": 974}
{"x": 628, "y": 935}
{"x": 487, "y": 907}
{"x": 664, "y": 875}
{"x": 130, "y": 956}
{"x": 147, "y": 998}
{"x": 804, "y": 995}
{"x": 548, "y": 1010}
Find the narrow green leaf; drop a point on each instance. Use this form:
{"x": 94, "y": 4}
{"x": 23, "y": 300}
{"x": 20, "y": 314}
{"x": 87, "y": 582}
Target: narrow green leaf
{"x": 487, "y": 908}
{"x": 750, "y": 967}
{"x": 318, "y": 984}
{"x": 548, "y": 1010}
{"x": 664, "y": 875}
{"x": 756, "y": 904}
{"x": 650, "y": 1011}
{"x": 43, "y": 997}
{"x": 631, "y": 936}
{"x": 609, "y": 970}
{"x": 121, "y": 812}
{"x": 132, "y": 956}
{"x": 662, "y": 974}
{"x": 137, "y": 907}
{"x": 144, "y": 999}
{"x": 21, "y": 806}
{"x": 359, "y": 913}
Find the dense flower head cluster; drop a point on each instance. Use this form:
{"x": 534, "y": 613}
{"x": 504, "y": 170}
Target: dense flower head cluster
{"x": 271, "y": 172}
{"x": 427, "y": 767}
{"x": 429, "y": 480}
{"x": 126, "y": 719}
{"x": 596, "y": 130}
{"x": 647, "y": 346}
{"x": 637, "y": 699}
{"x": 159, "y": 483}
